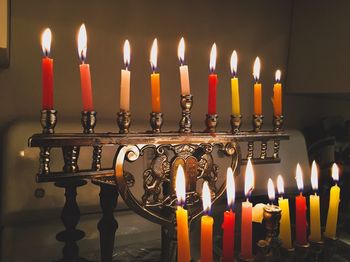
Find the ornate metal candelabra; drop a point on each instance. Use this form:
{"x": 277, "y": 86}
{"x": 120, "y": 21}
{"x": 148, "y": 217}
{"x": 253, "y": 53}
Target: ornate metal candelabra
{"x": 194, "y": 150}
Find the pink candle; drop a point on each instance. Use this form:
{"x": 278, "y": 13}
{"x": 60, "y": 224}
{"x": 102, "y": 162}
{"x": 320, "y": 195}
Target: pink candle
{"x": 47, "y": 71}
{"x": 247, "y": 213}
{"x": 85, "y": 78}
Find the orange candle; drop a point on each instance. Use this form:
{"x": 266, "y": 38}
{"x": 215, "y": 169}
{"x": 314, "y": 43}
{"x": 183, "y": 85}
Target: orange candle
{"x": 47, "y": 71}
{"x": 183, "y": 241}
{"x": 257, "y": 88}
{"x": 85, "y": 78}
{"x": 206, "y": 227}
{"x": 125, "y": 80}
{"x": 277, "y": 94}
{"x": 247, "y": 213}
{"x": 155, "y": 78}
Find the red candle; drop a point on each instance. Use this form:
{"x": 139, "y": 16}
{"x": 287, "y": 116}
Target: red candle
{"x": 229, "y": 220}
{"x": 213, "y": 80}
{"x": 247, "y": 213}
{"x": 47, "y": 71}
{"x": 300, "y": 205}
{"x": 85, "y": 78}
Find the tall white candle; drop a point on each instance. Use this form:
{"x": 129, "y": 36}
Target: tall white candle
{"x": 125, "y": 80}
{"x": 184, "y": 76}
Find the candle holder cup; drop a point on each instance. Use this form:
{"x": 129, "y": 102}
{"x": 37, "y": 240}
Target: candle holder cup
{"x": 124, "y": 121}
{"x": 156, "y": 122}
{"x": 211, "y": 122}
{"x": 258, "y": 121}
{"x": 88, "y": 121}
{"x": 277, "y": 123}
{"x": 185, "y": 123}
{"x": 236, "y": 123}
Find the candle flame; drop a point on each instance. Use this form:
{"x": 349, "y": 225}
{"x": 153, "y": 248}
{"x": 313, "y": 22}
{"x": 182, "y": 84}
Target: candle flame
{"x": 233, "y": 63}
{"x": 126, "y": 53}
{"x": 271, "y": 190}
{"x": 249, "y": 179}
{"x": 256, "y": 69}
{"x": 299, "y": 178}
{"x": 280, "y": 185}
{"x": 181, "y": 50}
{"x": 206, "y": 197}
{"x": 154, "y": 54}
{"x": 82, "y": 42}
{"x": 46, "y": 41}
{"x": 278, "y": 75}
{"x": 314, "y": 176}
{"x": 180, "y": 185}
{"x": 335, "y": 172}
{"x": 230, "y": 188}
{"x": 212, "y": 63}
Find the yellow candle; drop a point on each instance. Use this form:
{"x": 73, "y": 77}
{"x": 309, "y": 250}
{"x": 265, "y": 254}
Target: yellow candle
{"x": 236, "y": 110}
{"x": 257, "y": 88}
{"x": 155, "y": 79}
{"x": 206, "y": 227}
{"x": 183, "y": 240}
{"x": 334, "y": 199}
{"x": 285, "y": 230}
{"x": 125, "y": 80}
{"x": 184, "y": 77}
{"x": 277, "y": 95}
{"x": 315, "y": 218}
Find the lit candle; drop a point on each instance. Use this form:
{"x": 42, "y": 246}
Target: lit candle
{"x": 85, "y": 77}
{"x": 125, "y": 80}
{"x": 155, "y": 78}
{"x": 285, "y": 230}
{"x": 277, "y": 94}
{"x": 184, "y": 78}
{"x": 236, "y": 110}
{"x": 257, "y": 88}
{"x": 206, "y": 226}
{"x": 247, "y": 213}
{"x": 183, "y": 241}
{"x": 334, "y": 199}
{"x": 229, "y": 220}
{"x": 47, "y": 71}
{"x": 213, "y": 80}
{"x": 300, "y": 204}
{"x": 271, "y": 191}
{"x": 315, "y": 218}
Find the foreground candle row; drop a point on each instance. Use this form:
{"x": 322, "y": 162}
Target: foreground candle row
{"x": 86, "y": 88}
{"x": 228, "y": 225}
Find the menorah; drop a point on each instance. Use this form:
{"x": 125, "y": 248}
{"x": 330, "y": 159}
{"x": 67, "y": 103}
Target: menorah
{"x": 191, "y": 149}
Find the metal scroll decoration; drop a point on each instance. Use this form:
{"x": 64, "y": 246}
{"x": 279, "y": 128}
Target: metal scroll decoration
{"x": 159, "y": 198}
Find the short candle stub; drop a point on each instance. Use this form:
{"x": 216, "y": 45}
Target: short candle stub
{"x": 211, "y": 122}
{"x": 277, "y": 123}
{"x": 236, "y": 123}
{"x": 88, "y": 121}
{"x": 48, "y": 120}
{"x": 156, "y": 122}
{"x": 185, "y": 123}
{"x": 258, "y": 121}
{"x": 124, "y": 121}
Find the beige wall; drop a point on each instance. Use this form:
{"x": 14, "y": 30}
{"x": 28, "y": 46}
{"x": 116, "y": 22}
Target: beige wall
{"x": 253, "y": 28}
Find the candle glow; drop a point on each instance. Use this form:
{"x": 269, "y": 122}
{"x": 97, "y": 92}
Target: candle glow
{"x": 82, "y": 43}
{"x": 256, "y": 69}
{"x": 212, "y": 63}
{"x": 206, "y": 198}
{"x": 181, "y": 51}
{"x": 249, "y": 179}
{"x": 278, "y": 76}
{"x": 154, "y": 55}
{"x": 46, "y": 41}
{"x": 299, "y": 178}
{"x": 180, "y": 185}
{"x": 126, "y": 53}
{"x": 233, "y": 63}
{"x": 314, "y": 176}
{"x": 280, "y": 185}
{"x": 230, "y": 188}
{"x": 271, "y": 190}
{"x": 335, "y": 172}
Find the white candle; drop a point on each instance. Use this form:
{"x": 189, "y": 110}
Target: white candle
{"x": 184, "y": 76}
{"x": 125, "y": 80}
